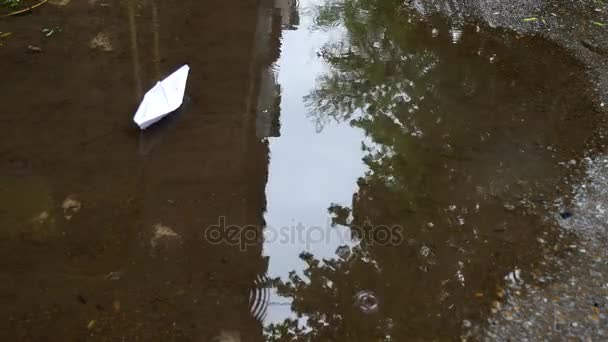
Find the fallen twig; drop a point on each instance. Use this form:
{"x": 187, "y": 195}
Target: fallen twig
{"x": 23, "y": 10}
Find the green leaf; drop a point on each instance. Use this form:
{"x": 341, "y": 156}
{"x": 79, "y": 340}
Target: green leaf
{"x": 526, "y": 20}
{"x": 597, "y": 23}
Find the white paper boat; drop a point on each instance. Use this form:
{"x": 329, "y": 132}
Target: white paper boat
{"x": 165, "y": 97}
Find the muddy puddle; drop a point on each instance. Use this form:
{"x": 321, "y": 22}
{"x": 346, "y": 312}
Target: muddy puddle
{"x": 340, "y": 170}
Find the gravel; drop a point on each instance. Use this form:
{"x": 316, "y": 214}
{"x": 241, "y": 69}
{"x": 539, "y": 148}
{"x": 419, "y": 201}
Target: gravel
{"x": 569, "y": 300}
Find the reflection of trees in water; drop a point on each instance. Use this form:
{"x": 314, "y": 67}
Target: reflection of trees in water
{"x": 325, "y": 296}
{"x": 463, "y": 148}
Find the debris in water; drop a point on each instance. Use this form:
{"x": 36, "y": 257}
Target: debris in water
{"x": 70, "y": 207}
{"x": 165, "y": 97}
{"x": 227, "y": 336}
{"x": 565, "y": 215}
{"x": 91, "y": 324}
{"x": 526, "y": 20}
{"x": 41, "y": 218}
{"x": 115, "y": 275}
{"x": 50, "y": 31}
{"x": 460, "y": 277}
{"x": 514, "y": 277}
{"x": 459, "y": 274}
{"x": 456, "y": 35}
{"x": 496, "y": 306}
{"x": 367, "y": 302}
{"x": 101, "y": 42}
{"x": 34, "y": 49}
{"x": 160, "y": 232}
{"x": 425, "y": 251}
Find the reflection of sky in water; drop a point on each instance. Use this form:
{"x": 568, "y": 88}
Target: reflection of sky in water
{"x": 308, "y": 170}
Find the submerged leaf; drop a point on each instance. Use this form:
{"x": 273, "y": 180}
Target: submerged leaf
{"x": 525, "y": 20}
{"x": 50, "y": 31}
